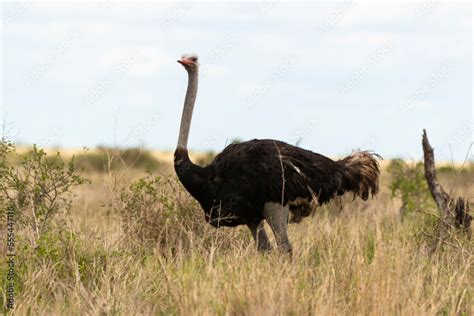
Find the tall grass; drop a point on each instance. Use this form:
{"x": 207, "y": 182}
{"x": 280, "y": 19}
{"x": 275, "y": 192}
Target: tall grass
{"x": 366, "y": 263}
{"x": 361, "y": 260}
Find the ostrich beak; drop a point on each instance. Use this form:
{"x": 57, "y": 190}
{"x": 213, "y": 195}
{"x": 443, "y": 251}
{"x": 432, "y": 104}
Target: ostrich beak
{"x": 185, "y": 62}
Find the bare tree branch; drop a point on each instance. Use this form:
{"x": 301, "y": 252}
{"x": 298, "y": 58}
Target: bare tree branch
{"x": 452, "y": 214}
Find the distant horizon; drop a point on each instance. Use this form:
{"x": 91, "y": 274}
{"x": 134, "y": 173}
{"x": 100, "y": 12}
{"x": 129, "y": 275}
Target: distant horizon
{"x": 333, "y": 77}
{"x": 21, "y": 146}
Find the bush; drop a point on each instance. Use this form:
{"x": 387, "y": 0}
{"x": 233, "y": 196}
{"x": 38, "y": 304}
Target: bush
{"x": 147, "y": 211}
{"x": 143, "y": 209}
{"x": 157, "y": 212}
{"x": 408, "y": 183}
{"x": 38, "y": 188}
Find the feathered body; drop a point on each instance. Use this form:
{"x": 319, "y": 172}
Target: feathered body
{"x": 234, "y": 188}
{"x": 266, "y": 179}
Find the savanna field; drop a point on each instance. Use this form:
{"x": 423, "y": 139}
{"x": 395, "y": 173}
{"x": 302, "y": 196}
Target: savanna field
{"x": 115, "y": 233}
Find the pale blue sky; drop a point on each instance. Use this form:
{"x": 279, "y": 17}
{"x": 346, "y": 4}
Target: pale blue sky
{"x": 333, "y": 76}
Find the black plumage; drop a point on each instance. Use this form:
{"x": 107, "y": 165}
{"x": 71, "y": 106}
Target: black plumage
{"x": 233, "y": 189}
{"x": 266, "y": 179}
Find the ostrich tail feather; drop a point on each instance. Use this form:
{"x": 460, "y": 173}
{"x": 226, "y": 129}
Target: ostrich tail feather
{"x": 361, "y": 173}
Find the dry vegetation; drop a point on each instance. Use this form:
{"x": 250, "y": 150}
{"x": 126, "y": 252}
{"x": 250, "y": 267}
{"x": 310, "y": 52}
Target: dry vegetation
{"x": 132, "y": 245}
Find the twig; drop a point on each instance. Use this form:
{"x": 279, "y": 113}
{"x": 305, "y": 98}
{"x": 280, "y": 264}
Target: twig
{"x": 437, "y": 217}
{"x": 443, "y": 240}
{"x": 282, "y": 175}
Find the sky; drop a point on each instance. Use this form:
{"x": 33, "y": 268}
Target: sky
{"x": 332, "y": 77}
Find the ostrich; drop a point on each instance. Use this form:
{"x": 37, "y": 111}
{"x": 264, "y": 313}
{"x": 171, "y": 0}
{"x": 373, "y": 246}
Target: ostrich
{"x": 264, "y": 179}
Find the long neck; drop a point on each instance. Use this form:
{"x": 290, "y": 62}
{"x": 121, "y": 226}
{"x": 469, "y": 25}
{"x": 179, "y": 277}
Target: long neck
{"x": 193, "y": 177}
{"x": 189, "y": 101}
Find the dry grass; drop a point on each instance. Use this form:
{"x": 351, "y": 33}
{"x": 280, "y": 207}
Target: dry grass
{"x": 361, "y": 260}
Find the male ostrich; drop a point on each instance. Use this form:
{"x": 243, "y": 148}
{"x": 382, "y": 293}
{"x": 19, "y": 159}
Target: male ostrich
{"x": 264, "y": 179}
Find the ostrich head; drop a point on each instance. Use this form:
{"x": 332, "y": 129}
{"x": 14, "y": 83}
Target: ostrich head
{"x": 189, "y": 62}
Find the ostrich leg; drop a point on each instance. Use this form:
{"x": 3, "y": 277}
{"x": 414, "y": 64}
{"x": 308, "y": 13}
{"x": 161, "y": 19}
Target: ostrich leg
{"x": 276, "y": 216}
{"x": 260, "y": 236}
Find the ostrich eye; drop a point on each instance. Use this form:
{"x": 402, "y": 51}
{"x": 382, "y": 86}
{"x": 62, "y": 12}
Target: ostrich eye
{"x": 193, "y": 59}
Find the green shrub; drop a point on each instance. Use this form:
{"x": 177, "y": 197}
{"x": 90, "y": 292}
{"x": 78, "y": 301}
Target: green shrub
{"x": 38, "y": 188}
{"x": 146, "y": 210}
{"x": 408, "y": 183}
{"x": 157, "y": 212}
{"x": 142, "y": 217}
{"x": 69, "y": 254}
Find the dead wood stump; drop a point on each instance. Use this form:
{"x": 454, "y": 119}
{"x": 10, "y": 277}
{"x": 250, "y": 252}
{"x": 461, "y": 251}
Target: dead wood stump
{"x": 454, "y": 213}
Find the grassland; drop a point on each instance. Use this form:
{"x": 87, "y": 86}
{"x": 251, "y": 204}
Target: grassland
{"x": 352, "y": 257}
